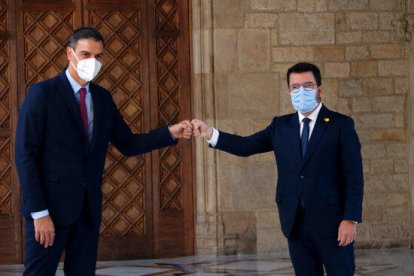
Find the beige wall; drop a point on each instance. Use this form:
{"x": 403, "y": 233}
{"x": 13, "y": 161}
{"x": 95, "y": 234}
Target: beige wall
{"x": 242, "y": 49}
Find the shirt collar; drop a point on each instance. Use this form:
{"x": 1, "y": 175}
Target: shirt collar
{"x": 74, "y": 84}
{"x": 313, "y": 116}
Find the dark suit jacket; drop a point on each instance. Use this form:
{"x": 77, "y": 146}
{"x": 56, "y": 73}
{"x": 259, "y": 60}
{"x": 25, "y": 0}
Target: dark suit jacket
{"x": 329, "y": 179}
{"x": 55, "y": 163}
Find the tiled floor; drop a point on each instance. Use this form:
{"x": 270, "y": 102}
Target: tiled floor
{"x": 381, "y": 262}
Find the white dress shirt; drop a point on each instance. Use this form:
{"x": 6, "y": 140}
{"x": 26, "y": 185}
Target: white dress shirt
{"x": 313, "y": 116}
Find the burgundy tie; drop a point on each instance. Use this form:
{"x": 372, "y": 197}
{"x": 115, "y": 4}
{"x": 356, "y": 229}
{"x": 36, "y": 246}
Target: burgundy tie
{"x": 82, "y": 105}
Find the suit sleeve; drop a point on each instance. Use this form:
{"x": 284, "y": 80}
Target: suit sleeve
{"x": 131, "y": 144}
{"x": 258, "y": 142}
{"x": 352, "y": 166}
{"x": 29, "y": 142}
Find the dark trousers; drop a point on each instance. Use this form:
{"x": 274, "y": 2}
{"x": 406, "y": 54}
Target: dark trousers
{"x": 310, "y": 253}
{"x": 79, "y": 241}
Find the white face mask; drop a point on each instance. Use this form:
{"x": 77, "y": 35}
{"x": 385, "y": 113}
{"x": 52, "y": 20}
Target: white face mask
{"x": 88, "y": 68}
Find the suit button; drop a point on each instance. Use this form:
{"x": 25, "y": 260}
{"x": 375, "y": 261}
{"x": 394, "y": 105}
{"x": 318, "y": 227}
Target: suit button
{"x": 302, "y": 177}
{"x": 83, "y": 184}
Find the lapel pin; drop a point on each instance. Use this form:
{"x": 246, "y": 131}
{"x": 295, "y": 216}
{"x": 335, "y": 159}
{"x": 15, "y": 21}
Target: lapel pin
{"x": 326, "y": 120}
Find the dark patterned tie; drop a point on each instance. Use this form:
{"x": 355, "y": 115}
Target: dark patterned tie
{"x": 82, "y": 105}
{"x": 305, "y": 135}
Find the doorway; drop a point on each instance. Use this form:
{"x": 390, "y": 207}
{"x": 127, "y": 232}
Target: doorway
{"x": 148, "y": 199}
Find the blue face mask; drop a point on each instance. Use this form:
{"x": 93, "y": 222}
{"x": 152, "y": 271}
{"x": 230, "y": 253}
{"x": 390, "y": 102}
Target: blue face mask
{"x": 304, "y": 101}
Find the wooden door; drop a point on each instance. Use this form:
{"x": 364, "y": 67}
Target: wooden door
{"x": 10, "y": 226}
{"x": 170, "y": 84}
{"x": 148, "y": 199}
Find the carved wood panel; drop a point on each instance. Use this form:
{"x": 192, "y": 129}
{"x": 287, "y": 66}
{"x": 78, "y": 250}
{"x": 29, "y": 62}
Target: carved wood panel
{"x": 10, "y": 226}
{"x": 124, "y": 183}
{"x": 46, "y": 35}
{"x": 4, "y": 86}
{"x": 6, "y": 202}
{"x": 168, "y": 102}
{"x": 173, "y": 97}
{"x": 6, "y": 196}
{"x": 4, "y": 69}
{"x": 3, "y": 15}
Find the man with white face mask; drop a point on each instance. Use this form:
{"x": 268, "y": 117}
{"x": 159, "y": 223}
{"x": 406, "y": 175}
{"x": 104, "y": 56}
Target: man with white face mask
{"x": 64, "y": 128}
{"x": 320, "y": 183}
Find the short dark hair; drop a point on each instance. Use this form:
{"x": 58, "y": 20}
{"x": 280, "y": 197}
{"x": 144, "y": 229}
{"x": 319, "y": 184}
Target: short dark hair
{"x": 84, "y": 32}
{"x": 302, "y": 67}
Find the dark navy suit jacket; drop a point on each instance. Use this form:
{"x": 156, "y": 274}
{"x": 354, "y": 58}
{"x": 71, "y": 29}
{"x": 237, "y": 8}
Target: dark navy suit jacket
{"x": 56, "y": 164}
{"x": 329, "y": 179}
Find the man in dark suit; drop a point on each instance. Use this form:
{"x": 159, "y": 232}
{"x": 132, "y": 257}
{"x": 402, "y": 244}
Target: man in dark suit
{"x": 64, "y": 127}
{"x": 320, "y": 183}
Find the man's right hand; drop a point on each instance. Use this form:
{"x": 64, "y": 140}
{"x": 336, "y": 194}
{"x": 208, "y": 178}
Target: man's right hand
{"x": 201, "y": 129}
{"x": 44, "y": 231}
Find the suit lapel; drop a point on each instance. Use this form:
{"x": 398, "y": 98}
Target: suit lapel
{"x": 70, "y": 100}
{"x": 97, "y": 113}
{"x": 317, "y": 133}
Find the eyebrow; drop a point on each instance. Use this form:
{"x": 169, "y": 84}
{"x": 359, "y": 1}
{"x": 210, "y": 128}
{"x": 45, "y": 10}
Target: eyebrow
{"x": 86, "y": 52}
{"x": 302, "y": 83}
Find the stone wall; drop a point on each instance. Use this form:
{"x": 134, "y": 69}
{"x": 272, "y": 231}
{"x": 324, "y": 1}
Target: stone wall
{"x": 242, "y": 49}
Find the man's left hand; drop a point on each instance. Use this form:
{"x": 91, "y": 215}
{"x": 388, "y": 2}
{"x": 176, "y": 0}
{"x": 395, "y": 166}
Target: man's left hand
{"x": 183, "y": 129}
{"x": 346, "y": 232}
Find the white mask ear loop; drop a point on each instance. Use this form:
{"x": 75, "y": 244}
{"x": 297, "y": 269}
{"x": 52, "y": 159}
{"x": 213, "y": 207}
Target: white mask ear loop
{"x": 75, "y": 57}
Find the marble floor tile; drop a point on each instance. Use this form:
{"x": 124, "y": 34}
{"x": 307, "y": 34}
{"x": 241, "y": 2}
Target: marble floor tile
{"x": 132, "y": 270}
{"x": 377, "y": 262}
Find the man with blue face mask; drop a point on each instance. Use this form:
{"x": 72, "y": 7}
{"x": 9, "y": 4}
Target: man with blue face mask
{"x": 65, "y": 126}
{"x": 320, "y": 182}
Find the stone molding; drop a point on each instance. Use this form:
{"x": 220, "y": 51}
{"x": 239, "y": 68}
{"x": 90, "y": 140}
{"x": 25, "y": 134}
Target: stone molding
{"x": 209, "y": 224}
{"x": 404, "y": 26}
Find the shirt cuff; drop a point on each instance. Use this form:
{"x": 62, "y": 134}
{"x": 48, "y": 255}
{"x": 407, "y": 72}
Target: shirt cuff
{"x": 40, "y": 214}
{"x": 214, "y": 138}
{"x": 172, "y": 136}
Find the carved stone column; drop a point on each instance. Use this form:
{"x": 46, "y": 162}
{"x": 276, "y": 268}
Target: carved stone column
{"x": 209, "y": 225}
{"x": 404, "y": 27}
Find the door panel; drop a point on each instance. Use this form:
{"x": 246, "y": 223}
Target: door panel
{"x": 45, "y": 36}
{"x": 10, "y": 225}
{"x": 170, "y": 91}
{"x": 127, "y": 220}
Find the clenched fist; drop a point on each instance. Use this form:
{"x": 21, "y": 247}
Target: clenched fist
{"x": 201, "y": 129}
{"x": 183, "y": 129}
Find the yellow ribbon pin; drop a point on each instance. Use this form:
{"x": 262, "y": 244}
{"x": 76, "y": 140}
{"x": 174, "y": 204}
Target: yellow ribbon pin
{"x": 326, "y": 120}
